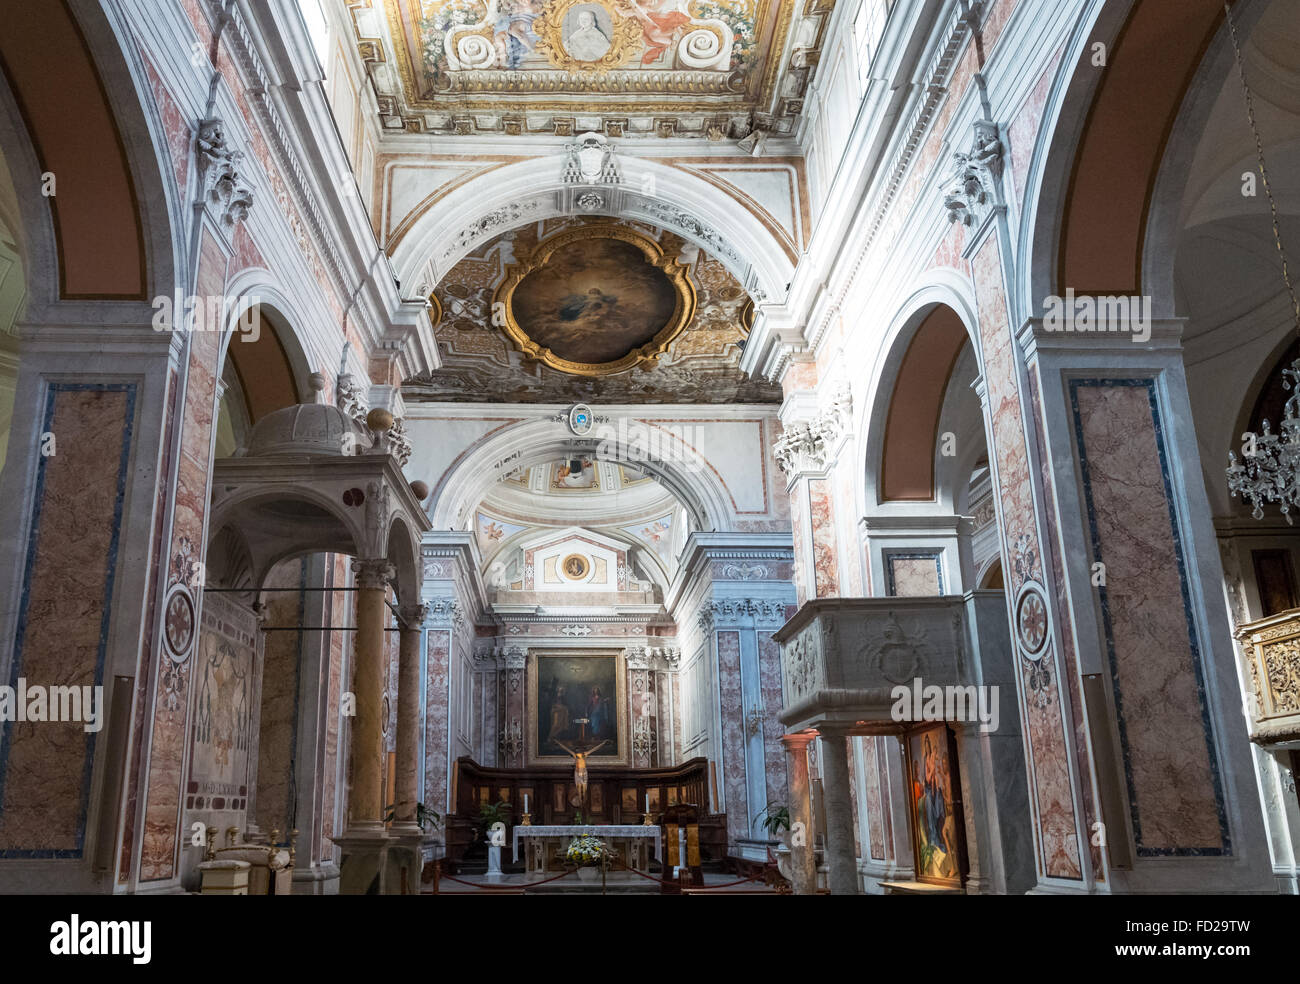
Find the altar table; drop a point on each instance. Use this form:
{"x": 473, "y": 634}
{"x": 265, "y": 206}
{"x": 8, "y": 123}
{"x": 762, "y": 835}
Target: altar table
{"x": 634, "y": 838}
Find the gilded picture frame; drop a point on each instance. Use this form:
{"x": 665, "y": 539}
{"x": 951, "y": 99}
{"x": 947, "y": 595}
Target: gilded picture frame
{"x": 676, "y": 273}
{"x": 539, "y": 678}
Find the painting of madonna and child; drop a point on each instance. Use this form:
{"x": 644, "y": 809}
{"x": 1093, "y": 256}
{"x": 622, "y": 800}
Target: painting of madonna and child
{"x": 594, "y": 301}
{"x": 936, "y": 818}
{"x": 569, "y": 689}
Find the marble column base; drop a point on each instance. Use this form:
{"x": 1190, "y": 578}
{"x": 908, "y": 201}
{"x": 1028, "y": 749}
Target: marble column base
{"x": 371, "y": 864}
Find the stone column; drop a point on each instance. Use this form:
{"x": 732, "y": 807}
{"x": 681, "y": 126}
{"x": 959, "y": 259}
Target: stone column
{"x": 365, "y": 809}
{"x": 841, "y": 853}
{"x": 408, "y": 719}
{"x": 803, "y": 863}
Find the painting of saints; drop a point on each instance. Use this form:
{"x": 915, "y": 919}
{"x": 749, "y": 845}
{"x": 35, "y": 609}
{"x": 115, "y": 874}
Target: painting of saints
{"x": 559, "y": 712}
{"x": 597, "y": 713}
{"x": 934, "y": 818}
{"x": 659, "y": 20}
{"x": 514, "y": 37}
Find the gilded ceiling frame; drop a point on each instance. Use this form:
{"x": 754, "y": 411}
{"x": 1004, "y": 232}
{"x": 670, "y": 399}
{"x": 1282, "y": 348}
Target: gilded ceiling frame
{"x": 642, "y": 356}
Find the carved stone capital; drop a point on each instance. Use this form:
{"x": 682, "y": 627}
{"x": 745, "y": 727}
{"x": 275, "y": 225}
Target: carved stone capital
{"x": 413, "y": 616}
{"x": 373, "y": 573}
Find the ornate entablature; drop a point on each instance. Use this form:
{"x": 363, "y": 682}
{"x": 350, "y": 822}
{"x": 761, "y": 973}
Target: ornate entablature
{"x": 809, "y": 446}
{"x": 663, "y": 658}
{"x": 724, "y": 612}
{"x": 733, "y": 69}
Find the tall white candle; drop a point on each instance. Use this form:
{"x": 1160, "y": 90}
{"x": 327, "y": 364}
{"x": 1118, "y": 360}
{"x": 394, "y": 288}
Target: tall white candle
{"x": 647, "y": 802}
{"x": 525, "y": 802}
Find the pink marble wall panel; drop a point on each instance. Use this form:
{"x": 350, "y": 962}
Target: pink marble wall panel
{"x": 733, "y": 734}
{"x": 854, "y": 795}
{"x": 1023, "y": 131}
{"x": 874, "y": 799}
{"x": 225, "y": 731}
{"x": 1176, "y": 801}
{"x": 331, "y": 815}
{"x": 1044, "y": 729}
{"x": 436, "y": 735}
{"x": 913, "y": 577}
{"x": 277, "y": 723}
{"x": 637, "y": 685}
{"x": 847, "y": 513}
{"x": 145, "y": 665}
{"x": 62, "y": 637}
{"x": 176, "y": 128}
{"x": 514, "y": 683}
{"x": 774, "y": 755}
{"x": 825, "y": 561}
{"x": 677, "y": 717}
{"x": 886, "y": 810}
{"x": 172, "y": 697}
{"x": 799, "y": 535}
{"x": 1069, "y": 657}
{"x": 490, "y": 726}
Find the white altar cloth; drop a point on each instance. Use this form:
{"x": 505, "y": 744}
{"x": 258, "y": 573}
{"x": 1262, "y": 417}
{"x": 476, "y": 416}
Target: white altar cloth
{"x": 604, "y": 831}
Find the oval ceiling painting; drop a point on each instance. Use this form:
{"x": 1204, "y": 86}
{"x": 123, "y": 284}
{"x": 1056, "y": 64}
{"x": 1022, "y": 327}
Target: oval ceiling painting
{"x": 595, "y": 300}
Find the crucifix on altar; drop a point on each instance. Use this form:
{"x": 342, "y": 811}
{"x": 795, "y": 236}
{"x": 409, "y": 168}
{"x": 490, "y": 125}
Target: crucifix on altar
{"x": 580, "y": 749}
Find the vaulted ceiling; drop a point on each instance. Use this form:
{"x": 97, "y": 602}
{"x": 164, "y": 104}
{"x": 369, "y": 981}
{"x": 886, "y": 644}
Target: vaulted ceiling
{"x": 715, "y": 69}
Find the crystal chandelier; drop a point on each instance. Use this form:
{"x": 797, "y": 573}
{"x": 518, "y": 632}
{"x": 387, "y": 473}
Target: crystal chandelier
{"x": 1270, "y": 471}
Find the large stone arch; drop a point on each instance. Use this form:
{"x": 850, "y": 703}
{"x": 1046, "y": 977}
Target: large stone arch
{"x": 651, "y": 192}
{"x": 282, "y": 319}
{"x": 1088, "y": 224}
{"x": 688, "y": 475}
{"x": 943, "y": 293}
{"x": 108, "y": 232}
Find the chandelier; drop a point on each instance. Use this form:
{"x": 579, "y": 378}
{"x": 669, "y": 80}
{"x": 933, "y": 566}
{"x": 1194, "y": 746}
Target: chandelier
{"x": 1270, "y": 468}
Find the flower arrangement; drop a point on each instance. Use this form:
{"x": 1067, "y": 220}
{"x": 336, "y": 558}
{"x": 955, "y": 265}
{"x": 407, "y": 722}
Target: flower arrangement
{"x": 587, "y": 850}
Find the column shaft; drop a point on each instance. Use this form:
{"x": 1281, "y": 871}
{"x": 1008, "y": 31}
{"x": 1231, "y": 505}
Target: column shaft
{"x": 803, "y": 862}
{"x": 408, "y": 718}
{"x": 365, "y": 809}
{"x": 841, "y": 853}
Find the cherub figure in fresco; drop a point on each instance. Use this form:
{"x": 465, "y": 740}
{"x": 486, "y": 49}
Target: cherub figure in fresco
{"x": 514, "y": 37}
{"x": 660, "y": 20}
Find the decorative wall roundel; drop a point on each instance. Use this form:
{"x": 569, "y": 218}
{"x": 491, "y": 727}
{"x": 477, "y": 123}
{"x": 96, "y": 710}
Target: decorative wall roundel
{"x": 178, "y": 622}
{"x": 581, "y": 420}
{"x": 575, "y": 567}
{"x": 1032, "y": 620}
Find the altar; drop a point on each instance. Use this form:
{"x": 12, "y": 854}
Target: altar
{"x": 629, "y": 840}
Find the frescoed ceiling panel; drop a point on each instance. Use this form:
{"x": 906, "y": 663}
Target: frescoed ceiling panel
{"x": 481, "y": 362}
{"x": 712, "y": 68}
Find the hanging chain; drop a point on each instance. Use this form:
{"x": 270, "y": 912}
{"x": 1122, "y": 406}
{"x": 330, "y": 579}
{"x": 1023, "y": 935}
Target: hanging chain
{"x": 1263, "y": 171}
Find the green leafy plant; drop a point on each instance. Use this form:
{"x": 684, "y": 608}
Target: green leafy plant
{"x": 776, "y": 820}
{"x": 489, "y": 814}
{"x": 424, "y": 817}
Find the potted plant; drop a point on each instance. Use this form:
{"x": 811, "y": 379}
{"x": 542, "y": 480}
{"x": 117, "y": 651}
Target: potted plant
{"x": 776, "y": 821}
{"x": 590, "y": 854}
{"x": 424, "y": 817}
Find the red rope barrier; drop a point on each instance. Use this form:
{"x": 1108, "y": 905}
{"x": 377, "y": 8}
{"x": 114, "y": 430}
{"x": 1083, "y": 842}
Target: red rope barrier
{"x": 505, "y": 888}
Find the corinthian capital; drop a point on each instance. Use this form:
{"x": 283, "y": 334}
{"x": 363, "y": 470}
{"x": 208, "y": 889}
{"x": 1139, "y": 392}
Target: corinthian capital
{"x": 373, "y": 573}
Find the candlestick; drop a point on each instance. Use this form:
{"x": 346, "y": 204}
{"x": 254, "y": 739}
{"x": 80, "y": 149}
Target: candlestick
{"x": 526, "y": 820}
